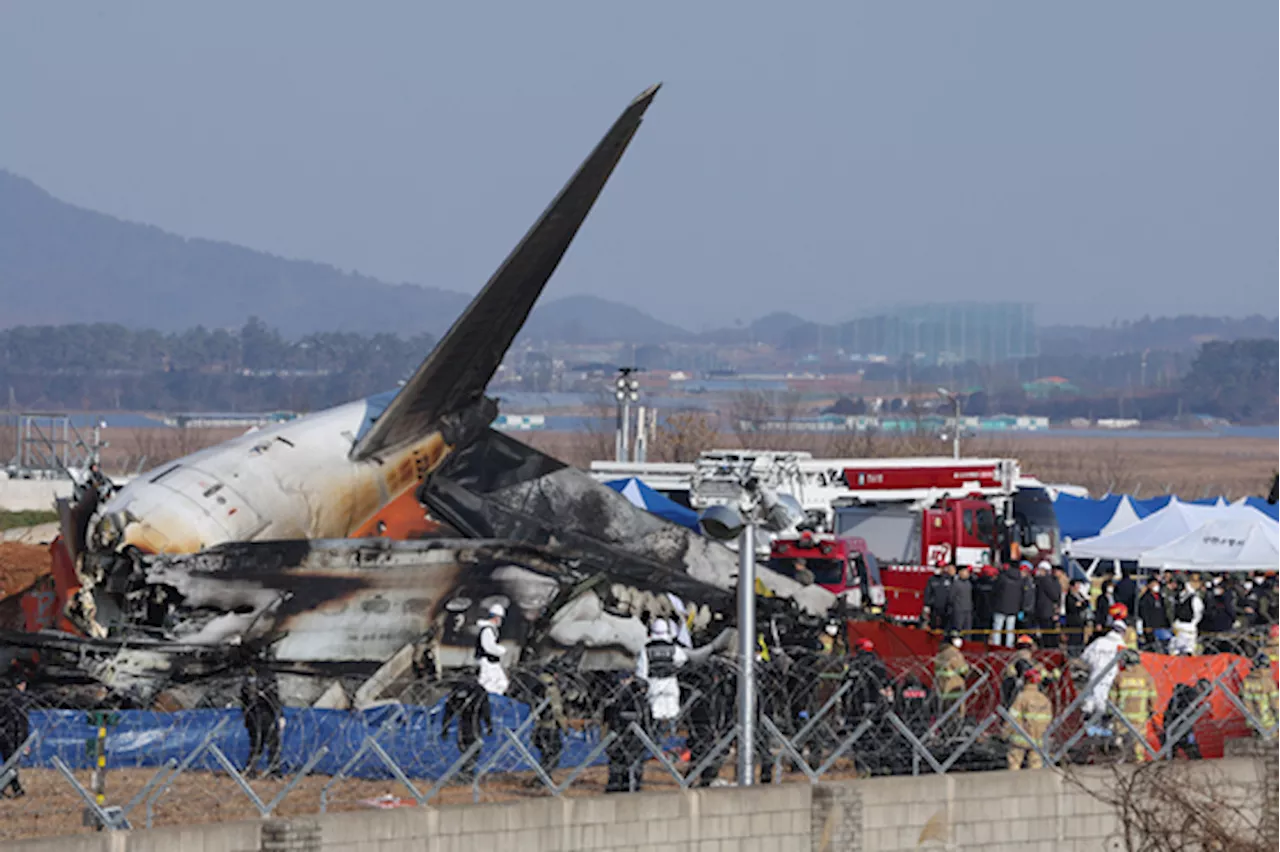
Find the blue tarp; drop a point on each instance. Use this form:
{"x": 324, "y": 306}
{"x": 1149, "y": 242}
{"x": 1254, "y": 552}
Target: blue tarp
{"x": 646, "y": 498}
{"x": 1149, "y": 505}
{"x": 1268, "y": 509}
{"x": 142, "y": 738}
{"x": 1084, "y": 517}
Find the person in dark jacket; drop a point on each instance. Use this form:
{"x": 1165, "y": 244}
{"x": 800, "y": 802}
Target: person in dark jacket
{"x": 1027, "y": 606}
{"x": 937, "y": 595}
{"x": 1077, "y": 616}
{"x": 984, "y": 588}
{"x": 629, "y": 704}
{"x": 1048, "y": 599}
{"x": 1219, "y": 616}
{"x": 1127, "y": 589}
{"x": 1153, "y": 613}
{"x": 469, "y": 702}
{"x": 1005, "y": 605}
{"x": 15, "y": 727}
{"x": 260, "y": 701}
{"x": 1102, "y": 617}
{"x": 1178, "y": 713}
{"x": 1249, "y": 604}
{"x": 960, "y": 605}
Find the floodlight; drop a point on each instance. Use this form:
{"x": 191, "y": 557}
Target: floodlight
{"x": 620, "y": 395}
{"x": 781, "y": 511}
{"x": 724, "y": 523}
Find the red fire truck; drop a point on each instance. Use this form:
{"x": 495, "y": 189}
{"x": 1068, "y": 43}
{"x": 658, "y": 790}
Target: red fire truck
{"x": 842, "y": 566}
{"x": 903, "y": 518}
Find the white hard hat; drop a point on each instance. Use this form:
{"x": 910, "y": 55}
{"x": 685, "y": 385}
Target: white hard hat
{"x": 660, "y": 629}
{"x": 498, "y": 611}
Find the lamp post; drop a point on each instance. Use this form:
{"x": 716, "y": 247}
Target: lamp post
{"x": 955, "y": 426}
{"x": 757, "y": 505}
{"x": 626, "y": 391}
{"x": 746, "y": 655}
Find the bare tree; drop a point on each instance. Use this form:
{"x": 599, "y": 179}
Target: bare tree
{"x": 1180, "y": 806}
{"x": 749, "y": 411}
{"x": 683, "y": 435}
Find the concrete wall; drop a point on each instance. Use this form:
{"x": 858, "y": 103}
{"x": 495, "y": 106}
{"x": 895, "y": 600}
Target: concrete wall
{"x": 1032, "y": 810}
{"x": 31, "y": 495}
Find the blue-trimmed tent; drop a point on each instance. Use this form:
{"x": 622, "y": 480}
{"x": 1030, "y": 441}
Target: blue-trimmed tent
{"x": 644, "y": 497}
{"x": 1087, "y": 517}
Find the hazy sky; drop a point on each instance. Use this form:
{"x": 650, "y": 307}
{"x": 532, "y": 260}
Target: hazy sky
{"x": 1100, "y": 159}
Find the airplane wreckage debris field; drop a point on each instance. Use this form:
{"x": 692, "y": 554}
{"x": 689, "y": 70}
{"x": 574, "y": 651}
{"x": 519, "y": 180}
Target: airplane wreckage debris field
{"x": 346, "y": 547}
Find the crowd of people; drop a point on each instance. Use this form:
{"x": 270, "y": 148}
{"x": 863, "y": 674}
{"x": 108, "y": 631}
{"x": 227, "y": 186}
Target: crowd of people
{"x": 1170, "y": 613}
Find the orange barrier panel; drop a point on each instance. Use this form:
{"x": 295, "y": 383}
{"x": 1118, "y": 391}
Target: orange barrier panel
{"x": 1224, "y": 720}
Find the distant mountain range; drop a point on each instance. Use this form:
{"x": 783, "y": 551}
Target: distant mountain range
{"x": 62, "y": 264}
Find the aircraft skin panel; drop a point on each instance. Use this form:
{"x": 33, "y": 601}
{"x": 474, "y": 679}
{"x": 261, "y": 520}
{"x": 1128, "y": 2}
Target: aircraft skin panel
{"x": 292, "y": 480}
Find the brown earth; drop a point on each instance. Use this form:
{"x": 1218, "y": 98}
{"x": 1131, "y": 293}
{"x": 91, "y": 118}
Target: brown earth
{"x": 52, "y": 807}
{"x": 20, "y": 565}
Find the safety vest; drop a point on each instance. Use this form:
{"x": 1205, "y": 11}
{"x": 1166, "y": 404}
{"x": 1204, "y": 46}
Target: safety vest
{"x": 481, "y": 653}
{"x": 949, "y": 672}
{"x": 1136, "y": 694}
{"x": 1033, "y": 711}
{"x": 1260, "y": 696}
{"x": 661, "y": 657}
{"x": 1184, "y": 611}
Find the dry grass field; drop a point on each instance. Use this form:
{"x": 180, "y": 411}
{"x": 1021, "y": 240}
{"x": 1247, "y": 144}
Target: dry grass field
{"x": 1189, "y": 465}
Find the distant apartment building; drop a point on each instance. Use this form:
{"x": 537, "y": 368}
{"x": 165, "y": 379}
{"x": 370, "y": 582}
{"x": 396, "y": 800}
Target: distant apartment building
{"x": 984, "y": 332}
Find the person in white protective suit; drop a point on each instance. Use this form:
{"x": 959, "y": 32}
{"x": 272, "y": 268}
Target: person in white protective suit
{"x": 657, "y": 665}
{"x": 493, "y": 678}
{"x": 1098, "y": 656}
{"x": 1188, "y": 610}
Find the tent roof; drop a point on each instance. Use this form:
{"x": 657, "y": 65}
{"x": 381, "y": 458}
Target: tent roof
{"x": 643, "y": 497}
{"x": 1240, "y": 543}
{"x": 1084, "y": 517}
{"x": 1124, "y": 517}
{"x": 1174, "y": 520}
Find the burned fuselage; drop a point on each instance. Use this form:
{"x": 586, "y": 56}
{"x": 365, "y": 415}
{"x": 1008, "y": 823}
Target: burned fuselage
{"x": 331, "y": 608}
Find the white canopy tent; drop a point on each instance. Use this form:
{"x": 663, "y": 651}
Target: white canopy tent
{"x": 1175, "y": 520}
{"x": 1124, "y": 517}
{"x": 1221, "y": 544}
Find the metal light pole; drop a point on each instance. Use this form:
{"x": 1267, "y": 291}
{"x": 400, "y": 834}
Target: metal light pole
{"x": 626, "y": 391}
{"x": 619, "y": 395}
{"x": 760, "y": 505}
{"x": 746, "y": 655}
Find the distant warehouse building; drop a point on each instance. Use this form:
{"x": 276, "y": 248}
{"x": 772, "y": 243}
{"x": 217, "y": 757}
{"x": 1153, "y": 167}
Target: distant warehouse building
{"x": 984, "y": 332}
{"x": 927, "y": 424}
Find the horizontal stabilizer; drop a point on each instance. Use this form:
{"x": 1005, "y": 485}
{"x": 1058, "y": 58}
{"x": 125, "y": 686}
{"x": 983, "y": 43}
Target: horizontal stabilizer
{"x": 453, "y": 377}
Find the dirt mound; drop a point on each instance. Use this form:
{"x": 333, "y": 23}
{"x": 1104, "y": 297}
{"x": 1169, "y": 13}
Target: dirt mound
{"x": 21, "y": 564}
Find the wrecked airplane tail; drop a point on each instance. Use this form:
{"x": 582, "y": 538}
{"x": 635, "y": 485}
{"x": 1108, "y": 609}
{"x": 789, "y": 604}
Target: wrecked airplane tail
{"x": 453, "y": 377}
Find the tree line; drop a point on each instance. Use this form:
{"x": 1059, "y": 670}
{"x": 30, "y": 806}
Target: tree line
{"x": 253, "y": 368}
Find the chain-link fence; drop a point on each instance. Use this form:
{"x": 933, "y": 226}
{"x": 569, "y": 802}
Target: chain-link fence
{"x": 557, "y": 732}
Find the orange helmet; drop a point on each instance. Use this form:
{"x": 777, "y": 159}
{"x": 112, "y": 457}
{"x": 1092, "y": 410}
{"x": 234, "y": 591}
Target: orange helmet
{"x": 1032, "y": 675}
{"x": 1118, "y": 610}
